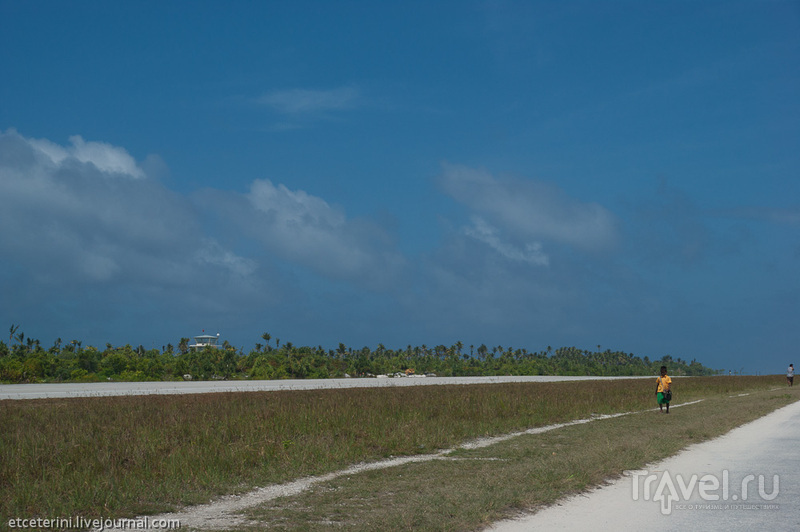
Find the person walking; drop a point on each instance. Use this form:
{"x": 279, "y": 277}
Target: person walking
{"x": 790, "y": 375}
{"x": 663, "y": 389}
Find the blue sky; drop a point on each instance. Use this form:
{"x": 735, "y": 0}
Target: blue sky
{"x": 526, "y": 174}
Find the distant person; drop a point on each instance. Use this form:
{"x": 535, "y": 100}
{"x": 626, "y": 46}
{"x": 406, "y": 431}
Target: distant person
{"x": 663, "y": 387}
{"x": 790, "y": 375}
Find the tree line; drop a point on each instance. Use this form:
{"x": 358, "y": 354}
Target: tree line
{"x": 25, "y": 360}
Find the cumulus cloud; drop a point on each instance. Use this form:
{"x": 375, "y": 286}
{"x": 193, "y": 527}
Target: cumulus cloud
{"x": 300, "y": 101}
{"x": 105, "y": 157}
{"x": 87, "y": 213}
{"x": 306, "y": 229}
{"x": 88, "y": 231}
{"x": 529, "y": 212}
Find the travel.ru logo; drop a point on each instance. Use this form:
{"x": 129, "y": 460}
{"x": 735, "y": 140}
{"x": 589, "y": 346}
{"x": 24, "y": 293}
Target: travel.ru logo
{"x": 668, "y": 489}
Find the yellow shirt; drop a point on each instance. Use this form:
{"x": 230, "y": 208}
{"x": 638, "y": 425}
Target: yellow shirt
{"x": 665, "y": 380}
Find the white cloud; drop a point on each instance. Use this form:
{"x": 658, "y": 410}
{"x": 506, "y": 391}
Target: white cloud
{"x": 530, "y": 253}
{"x": 67, "y": 218}
{"x": 105, "y": 157}
{"x": 211, "y": 252}
{"x": 531, "y": 211}
{"x": 305, "y": 229}
{"x": 294, "y": 209}
{"x": 83, "y": 229}
{"x": 298, "y": 101}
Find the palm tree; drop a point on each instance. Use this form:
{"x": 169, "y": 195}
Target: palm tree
{"x": 483, "y": 352}
{"x": 56, "y": 347}
{"x": 12, "y": 331}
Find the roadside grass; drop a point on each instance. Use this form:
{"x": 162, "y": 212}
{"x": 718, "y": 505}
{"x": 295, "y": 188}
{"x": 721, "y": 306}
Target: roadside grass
{"x": 110, "y": 457}
{"x": 470, "y": 489}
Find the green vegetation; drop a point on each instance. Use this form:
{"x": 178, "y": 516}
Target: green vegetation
{"x": 25, "y": 360}
{"x": 125, "y": 456}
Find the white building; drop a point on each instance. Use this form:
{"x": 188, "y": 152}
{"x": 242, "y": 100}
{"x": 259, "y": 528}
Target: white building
{"x": 205, "y": 340}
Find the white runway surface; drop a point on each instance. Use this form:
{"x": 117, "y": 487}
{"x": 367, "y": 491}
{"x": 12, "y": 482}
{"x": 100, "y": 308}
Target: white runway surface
{"x": 702, "y": 488}
{"x": 106, "y": 389}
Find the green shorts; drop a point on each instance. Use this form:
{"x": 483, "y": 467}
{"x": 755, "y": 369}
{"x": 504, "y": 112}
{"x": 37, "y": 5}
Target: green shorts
{"x": 660, "y": 399}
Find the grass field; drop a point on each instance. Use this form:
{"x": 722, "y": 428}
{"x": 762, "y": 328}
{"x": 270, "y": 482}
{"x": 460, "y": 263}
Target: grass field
{"x": 127, "y": 456}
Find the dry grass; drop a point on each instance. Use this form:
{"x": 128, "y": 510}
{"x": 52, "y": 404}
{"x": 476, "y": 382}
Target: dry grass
{"x": 126, "y": 456}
